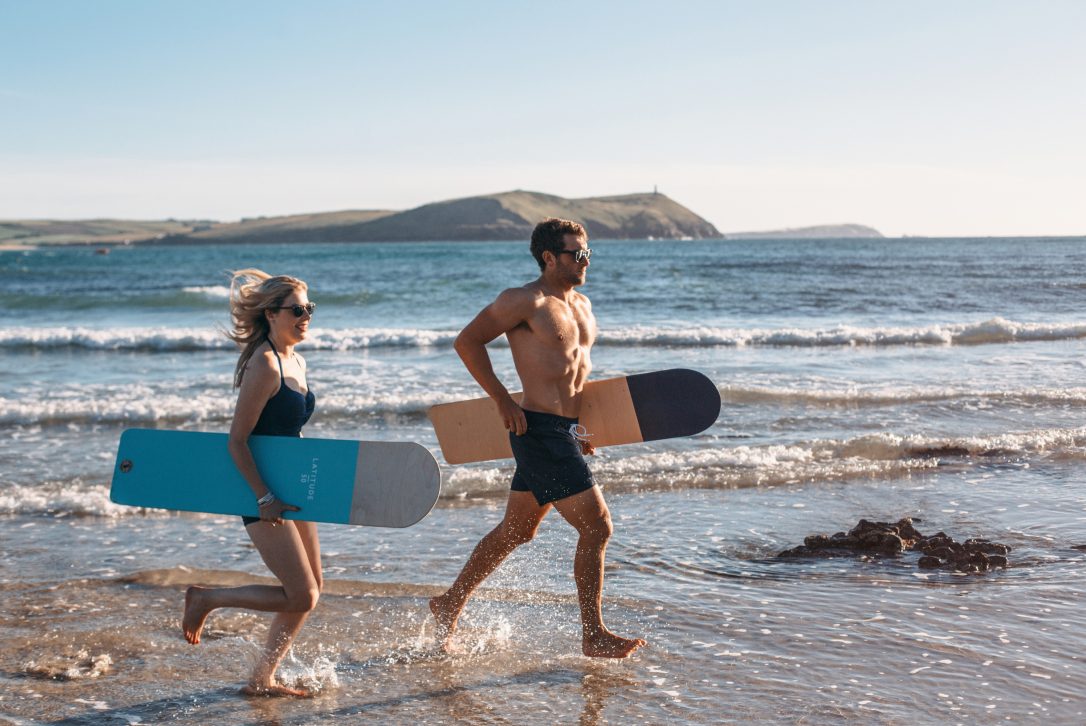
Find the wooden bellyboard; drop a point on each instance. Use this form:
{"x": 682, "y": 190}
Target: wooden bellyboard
{"x": 627, "y": 410}
{"x": 374, "y": 483}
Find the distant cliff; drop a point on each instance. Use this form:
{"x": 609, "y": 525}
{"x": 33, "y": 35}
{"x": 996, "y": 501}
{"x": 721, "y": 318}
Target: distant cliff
{"x": 31, "y": 232}
{"x": 825, "y": 231}
{"x": 505, "y": 216}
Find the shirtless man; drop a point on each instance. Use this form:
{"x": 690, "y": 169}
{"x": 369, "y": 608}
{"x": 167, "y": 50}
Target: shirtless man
{"x": 551, "y": 329}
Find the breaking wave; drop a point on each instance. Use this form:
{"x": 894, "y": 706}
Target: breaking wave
{"x": 713, "y": 466}
{"x": 163, "y": 339}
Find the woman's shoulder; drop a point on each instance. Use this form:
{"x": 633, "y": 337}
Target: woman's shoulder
{"x": 263, "y": 363}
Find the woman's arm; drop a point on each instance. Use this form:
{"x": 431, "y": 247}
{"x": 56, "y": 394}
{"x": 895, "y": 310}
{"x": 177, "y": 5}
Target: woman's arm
{"x": 260, "y": 383}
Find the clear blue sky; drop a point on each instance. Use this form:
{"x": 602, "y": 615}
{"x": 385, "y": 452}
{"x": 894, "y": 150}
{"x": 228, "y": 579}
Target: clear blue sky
{"x": 919, "y": 117}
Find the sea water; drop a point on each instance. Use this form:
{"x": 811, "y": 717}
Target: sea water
{"x": 939, "y": 378}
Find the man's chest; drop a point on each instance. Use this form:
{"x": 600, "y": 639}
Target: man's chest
{"x": 566, "y": 326}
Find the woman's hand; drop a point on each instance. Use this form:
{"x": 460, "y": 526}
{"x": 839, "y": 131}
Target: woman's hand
{"x": 273, "y": 511}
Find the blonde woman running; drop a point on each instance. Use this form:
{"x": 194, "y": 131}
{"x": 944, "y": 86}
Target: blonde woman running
{"x": 270, "y": 315}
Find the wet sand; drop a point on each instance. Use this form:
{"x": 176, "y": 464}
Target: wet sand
{"x": 735, "y": 634}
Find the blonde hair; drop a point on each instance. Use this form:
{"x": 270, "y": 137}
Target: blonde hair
{"x": 252, "y": 292}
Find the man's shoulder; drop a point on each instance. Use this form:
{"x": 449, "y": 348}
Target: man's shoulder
{"x": 529, "y": 294}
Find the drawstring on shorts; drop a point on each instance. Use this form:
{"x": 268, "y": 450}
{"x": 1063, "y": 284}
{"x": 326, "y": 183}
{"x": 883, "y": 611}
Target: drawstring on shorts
{"x": 579, "y": 432}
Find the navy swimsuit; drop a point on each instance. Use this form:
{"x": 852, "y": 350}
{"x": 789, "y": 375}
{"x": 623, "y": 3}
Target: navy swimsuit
{"x": 550, "y": 463}
{"x": 284, "y": 414}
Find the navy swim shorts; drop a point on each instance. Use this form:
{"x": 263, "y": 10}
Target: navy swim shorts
{"x": 550, "y": 463}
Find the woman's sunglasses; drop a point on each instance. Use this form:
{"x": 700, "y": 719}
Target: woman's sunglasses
{"x": 298, "y": 310}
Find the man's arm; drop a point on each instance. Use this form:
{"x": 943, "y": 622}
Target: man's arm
{"x": 510, "y": 309}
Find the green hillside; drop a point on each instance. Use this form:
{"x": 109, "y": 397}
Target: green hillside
{"x": 505, "y": 216}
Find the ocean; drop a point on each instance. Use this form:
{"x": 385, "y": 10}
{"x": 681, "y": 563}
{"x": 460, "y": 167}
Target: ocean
{"x": 939, "y": 379}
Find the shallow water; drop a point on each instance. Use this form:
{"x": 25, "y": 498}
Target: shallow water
{"x": 735, "y": 634}
{"x": 936, "y": 379}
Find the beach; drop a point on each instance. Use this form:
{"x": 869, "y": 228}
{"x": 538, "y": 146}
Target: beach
{"x": 939, "y": 379}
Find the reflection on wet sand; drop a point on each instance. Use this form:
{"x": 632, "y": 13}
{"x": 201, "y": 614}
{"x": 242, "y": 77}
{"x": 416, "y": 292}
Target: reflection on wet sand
{"x": 448, "y": 693}
{"x": 599, "y": 684}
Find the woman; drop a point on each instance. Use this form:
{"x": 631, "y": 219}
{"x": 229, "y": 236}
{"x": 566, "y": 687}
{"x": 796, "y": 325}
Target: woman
{"x": 270, "y": 315}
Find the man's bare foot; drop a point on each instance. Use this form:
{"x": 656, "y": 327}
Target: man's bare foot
{"x": 608, "y": 645}
{"x": 196, "y": 611}
{"x": 446, "y": 619}
{"x": 276, "y": 690}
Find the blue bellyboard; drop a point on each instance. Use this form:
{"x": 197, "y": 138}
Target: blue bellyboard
{"x": 193, "y": 471}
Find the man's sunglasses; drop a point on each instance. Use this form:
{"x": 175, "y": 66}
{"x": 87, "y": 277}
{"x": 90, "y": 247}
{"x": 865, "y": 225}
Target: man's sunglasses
{"x": 579, "y": 255}
{"x": 298, "y": 310}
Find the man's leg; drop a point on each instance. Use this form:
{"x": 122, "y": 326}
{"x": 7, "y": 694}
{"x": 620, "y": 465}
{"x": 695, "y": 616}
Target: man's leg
{"x": 522, "y": 518}
{"x": 588, "y": 514}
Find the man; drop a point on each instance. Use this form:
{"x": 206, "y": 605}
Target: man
{"x": 551, "y": 329}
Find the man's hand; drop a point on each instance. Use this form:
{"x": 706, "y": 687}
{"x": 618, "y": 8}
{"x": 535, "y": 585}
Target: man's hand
{"x": 512, "y": 415}
{"x": 587, "y": 448}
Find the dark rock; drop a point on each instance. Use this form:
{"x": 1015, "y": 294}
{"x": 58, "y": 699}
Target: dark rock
{"x": 888, "y": 544}
{"x": 986, "y": 546}
{"x": 869, "y": 540}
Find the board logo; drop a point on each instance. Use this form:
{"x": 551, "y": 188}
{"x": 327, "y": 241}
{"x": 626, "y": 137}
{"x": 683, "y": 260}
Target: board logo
{"x": 310, "y": 480}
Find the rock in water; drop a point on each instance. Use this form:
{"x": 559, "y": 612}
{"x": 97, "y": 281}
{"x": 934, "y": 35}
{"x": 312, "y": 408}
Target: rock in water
{"x": 939, "y": 551}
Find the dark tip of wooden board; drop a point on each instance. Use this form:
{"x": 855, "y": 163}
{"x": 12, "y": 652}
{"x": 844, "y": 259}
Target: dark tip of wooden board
{"x": 675, "y": 402}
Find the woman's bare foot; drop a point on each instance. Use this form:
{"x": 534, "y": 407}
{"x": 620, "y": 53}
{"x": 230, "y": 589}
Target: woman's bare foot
{"x": 446, "y": 619}
{"x": 606, "y": 644}
{"x": 276, "y": 690}
{"x": 196, "y": 612}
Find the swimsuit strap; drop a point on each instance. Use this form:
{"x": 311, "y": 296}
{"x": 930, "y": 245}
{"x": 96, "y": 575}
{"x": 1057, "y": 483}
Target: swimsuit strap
{"x": 278, "y": 360}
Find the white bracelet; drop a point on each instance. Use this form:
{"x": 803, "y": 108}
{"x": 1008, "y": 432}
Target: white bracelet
{"x": 266, "y": 499}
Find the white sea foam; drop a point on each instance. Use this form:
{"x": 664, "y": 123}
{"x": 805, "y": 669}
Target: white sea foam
{"x": 996, "y": 330}
{"x": 883, "y": 455}
{"x": 213, "y": 401}
{"x": 74, "y": 496}
{"x": 718, "y": 467}
{"x": 164, "y": 339}
{"x": 1055, "y": 441}
{"x": 147, "y": 405}
{"x": 70, "y": 667}
{"x": 128, "y": 405}
{"x": 900, "y": 394}
{"x": 214, "y": 292}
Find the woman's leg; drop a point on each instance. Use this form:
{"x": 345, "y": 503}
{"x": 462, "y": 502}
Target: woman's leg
{"x": 285, "y": 625}
{"x": 284, "y": 551}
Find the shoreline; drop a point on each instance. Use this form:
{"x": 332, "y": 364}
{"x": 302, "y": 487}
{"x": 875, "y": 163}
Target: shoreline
{"x": 106, "y": 246}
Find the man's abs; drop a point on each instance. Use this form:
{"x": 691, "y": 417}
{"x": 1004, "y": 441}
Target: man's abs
{"x": 552, "y": 376}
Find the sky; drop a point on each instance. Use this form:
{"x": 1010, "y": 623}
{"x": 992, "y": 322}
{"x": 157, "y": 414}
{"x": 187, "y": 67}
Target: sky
{"x": 916, "y": 117}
